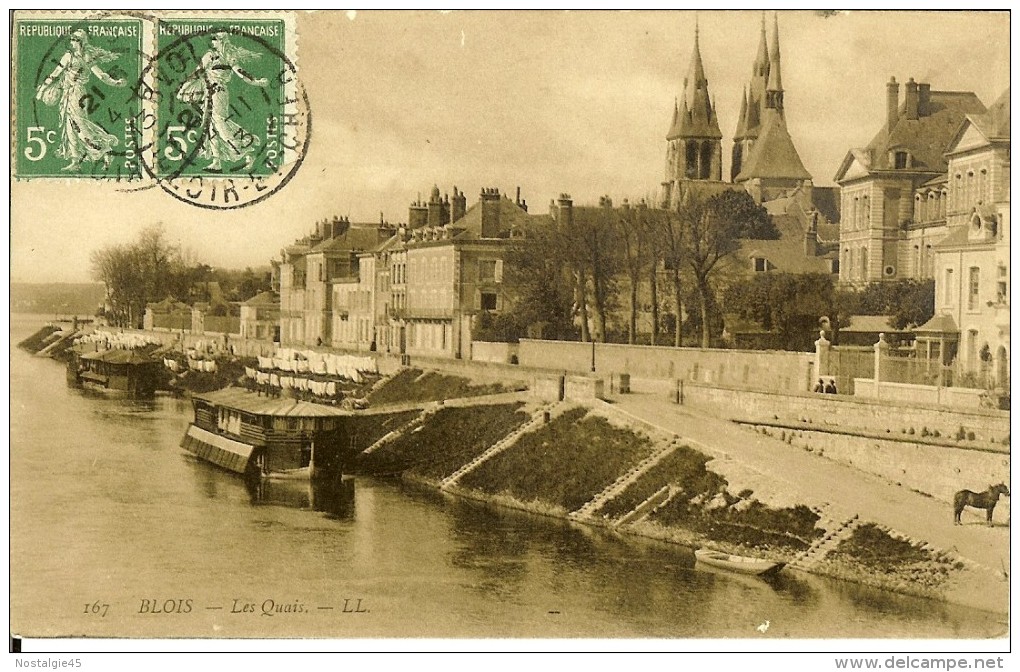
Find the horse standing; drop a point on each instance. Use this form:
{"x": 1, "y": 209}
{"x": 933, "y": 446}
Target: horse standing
{"x": 979, "y": 500}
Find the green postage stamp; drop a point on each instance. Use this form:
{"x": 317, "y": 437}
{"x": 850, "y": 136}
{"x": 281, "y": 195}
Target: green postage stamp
{"x": 208, "y": 107}
{"x": 222, "y": 96}
{"x": 76, "y": 109}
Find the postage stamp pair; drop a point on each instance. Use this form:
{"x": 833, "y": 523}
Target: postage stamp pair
{"x": 209, "y": 108}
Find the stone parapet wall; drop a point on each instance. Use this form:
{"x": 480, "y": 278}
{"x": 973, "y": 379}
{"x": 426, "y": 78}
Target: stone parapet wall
{"x": 955, "y": 397}
{"x": 848, "y": 412}
{"x": 750, "y": 369}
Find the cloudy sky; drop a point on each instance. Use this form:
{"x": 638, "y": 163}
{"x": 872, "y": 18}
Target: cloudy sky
{"x": 553, "y": 102}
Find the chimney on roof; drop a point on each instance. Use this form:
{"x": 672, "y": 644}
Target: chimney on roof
{"x": 417, "y": 215}
{"x": 490, "y": 212}
{"x": 564, "y": 210}
{"x": 892, "y": 102}
{"x": 458, "y": 205}
{"x": 910, "y": 102}
{"x": 923, "y": 99}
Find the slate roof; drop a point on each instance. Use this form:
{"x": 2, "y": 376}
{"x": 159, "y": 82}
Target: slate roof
{"x": 926, "y": 138}
{"x": 773, "y": 154}
{"x": 263, "y": 299}
{"x": 786, "y": 256}
{"x": 357, "y": 238}
{"x": 510, "y": 214}
{"x": 994, "y": 123}
{"x": 939, "y": 324}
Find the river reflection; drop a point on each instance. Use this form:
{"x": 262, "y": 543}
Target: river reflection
{"x": 106, "y": 505}
{"x": 333, "y": 496}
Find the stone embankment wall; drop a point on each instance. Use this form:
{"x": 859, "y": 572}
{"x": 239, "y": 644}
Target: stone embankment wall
{"x": 954, "y": 397}
{"x": 760, "y": 370}
{"x": 939, "y": 470}
{"x": 843, "y": 412}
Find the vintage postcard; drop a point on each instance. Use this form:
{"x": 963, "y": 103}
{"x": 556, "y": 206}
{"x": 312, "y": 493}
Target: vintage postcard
{"x": 585, "y": 327}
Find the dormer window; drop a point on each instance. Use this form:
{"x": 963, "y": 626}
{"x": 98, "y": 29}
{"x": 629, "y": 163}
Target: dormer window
{"x": 761, "y": 264}
{"x": 901, "y": 160}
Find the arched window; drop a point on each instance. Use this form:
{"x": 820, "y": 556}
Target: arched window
{"x": 706, "y": 161}
{"x": 865, "y": 212}
{"x": 691, "y": 159}
{"x": 864, "y": 263}
{"x": 983, "y": 187}
{"x": 933, "y": 206}
{"x": 943, "y": 197}
{"x": 918, "y": 213}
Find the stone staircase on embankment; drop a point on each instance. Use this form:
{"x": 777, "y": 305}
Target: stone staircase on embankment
{"x": 538, "y": 418}
{"x": 836, "y": 532}
{"x": 416, "y": 422}
{"x": 656, "y": 501}
{"x": 624, "y": 481}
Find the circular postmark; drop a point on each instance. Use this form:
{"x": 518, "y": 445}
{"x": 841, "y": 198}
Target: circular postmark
{"x": 233, "y": 123}
{"x": 76, "y": 112}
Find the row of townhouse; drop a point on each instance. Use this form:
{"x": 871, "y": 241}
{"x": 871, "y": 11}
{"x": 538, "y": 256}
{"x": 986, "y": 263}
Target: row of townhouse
{"x": 411, "y": 289}
{"x": 928, "y": 198}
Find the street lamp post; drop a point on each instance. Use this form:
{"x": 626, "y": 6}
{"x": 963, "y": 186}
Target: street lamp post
{"x": 593, "y": 354}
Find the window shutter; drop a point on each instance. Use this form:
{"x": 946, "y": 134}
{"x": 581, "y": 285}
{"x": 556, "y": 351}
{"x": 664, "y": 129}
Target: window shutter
{"x": 499, "y": 270}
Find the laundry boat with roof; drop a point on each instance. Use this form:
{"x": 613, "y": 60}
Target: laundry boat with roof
{"x": 276, "y": 436}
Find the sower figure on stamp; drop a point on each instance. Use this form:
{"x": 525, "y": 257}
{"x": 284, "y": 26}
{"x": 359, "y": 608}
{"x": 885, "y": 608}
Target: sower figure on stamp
{"x": 80, "y": 138}
{"x": 225, "y": 140}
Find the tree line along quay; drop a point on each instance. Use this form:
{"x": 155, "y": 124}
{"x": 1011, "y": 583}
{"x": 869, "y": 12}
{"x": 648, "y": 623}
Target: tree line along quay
{"x": 912, "y": 242}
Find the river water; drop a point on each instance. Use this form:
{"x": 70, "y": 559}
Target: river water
{"x": 115, "y": 531}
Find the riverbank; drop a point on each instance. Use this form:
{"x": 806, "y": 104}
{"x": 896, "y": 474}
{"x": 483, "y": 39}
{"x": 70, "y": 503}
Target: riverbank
{"x": 559, "y": 469}
{"x": 643, "y": 467}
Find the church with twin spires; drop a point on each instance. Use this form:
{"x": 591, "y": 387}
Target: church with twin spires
{"x": 764, "y": 160}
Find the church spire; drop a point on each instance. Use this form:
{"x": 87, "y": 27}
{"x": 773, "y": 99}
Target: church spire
{"x": 761, "y": 61}
{"x": 774, "y": 92}
{"x": 694, "y": 150}
{"x": 697, "y": 116}
{"x": 742, "y": 118}
{"x": 696, "y": 74}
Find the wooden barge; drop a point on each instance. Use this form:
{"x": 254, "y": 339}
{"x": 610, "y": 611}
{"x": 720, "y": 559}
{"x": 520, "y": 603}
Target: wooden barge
{"x": 127, "y": 372}
{"x": 249, "y": 433}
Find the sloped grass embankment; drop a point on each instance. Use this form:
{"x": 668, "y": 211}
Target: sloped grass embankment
{"x": 446, "y": 441}
{"x": 892, "y": 562}
{"x": 563, "y": 464}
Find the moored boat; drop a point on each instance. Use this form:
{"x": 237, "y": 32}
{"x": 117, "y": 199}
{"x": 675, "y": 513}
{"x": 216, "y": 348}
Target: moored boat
{"x": 128, "y": 372}
{"x": 738, "y": 563}
{"x": 274, "y": 436}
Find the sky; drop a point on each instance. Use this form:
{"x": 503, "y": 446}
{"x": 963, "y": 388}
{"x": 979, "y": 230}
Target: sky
{"x": 551, "y": 102}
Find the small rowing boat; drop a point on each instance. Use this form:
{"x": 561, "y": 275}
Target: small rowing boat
{"x": 738, "y": 563}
